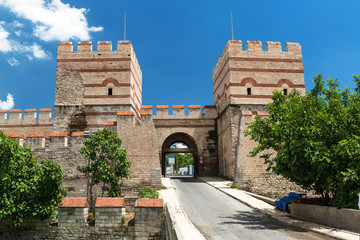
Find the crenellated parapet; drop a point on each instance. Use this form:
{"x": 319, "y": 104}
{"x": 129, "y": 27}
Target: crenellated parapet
{"x": 98, "y": 75}
{"x": 178, "y": 112}
{"x": 28, "y": 116}
{"x": 250, "y": 75}
{"x": 17, "y": 121}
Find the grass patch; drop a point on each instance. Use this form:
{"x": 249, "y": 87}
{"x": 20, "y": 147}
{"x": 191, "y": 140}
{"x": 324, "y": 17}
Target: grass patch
{"x": 235, "y": 186}
{"x": 148, "y": 192}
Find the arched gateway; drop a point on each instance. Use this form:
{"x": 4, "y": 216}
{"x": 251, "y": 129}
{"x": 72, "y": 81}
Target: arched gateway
{"x": 184, "y": 138}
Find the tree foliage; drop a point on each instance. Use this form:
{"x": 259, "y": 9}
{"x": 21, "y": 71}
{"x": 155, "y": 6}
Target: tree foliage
{"x": 148, "y": 192}
{"x": 27, "y": 188}
{"x": 108, "y": 163}
{"x": 181, "y": 159}
{"x": 316, "y": 139}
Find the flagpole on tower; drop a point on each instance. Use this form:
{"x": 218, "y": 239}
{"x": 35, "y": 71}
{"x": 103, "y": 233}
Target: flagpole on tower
{"x": 232, "y": 28}
{"x": 124, "y": 25}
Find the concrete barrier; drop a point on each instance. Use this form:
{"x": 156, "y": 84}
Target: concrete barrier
{"x": 347, "y": 219}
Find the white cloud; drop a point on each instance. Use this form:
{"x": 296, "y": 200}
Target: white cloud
{"x": 53, "y": 19}
{"x": 13, "y": 62}
{"x": 17, "y": 24}
{"x": 29, "y": 57}
{"x": 9, "y": 45}
{"x": 5, "y": 44}
{"x": 8, "y": 104}
{"x": 18, "y": 33}
{"x": 180, "y": 145}
{"x": 38, "y": 52}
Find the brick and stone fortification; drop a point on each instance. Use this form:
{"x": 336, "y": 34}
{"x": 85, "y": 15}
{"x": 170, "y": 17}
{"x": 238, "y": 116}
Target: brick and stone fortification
{"x": 243, "y": 83}
{"x": 103, "y": 88}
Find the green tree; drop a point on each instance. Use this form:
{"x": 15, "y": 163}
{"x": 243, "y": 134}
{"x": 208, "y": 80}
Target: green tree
{"x": 181, "y": 159}
{"x": 314, "y": 140}
{"x": 27, "y": 188}
{"x": 107, "y": 163}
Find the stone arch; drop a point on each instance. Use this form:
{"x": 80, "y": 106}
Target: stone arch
{"x": 182, "y": 138}
{"x": 246, "y": 81}
{"x": 281, "y": 82}
{"x": 110, "y": 81}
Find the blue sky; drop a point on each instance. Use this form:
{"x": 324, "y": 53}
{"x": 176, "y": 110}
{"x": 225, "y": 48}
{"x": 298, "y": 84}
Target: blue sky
{"x": 177, "y": 42}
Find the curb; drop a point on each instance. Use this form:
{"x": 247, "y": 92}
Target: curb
{"x": 271, "y": 215}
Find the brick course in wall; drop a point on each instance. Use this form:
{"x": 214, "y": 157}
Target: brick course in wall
{"x": 72, "y": 225}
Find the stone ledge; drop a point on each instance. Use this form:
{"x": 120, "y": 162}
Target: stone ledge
{"x": 74, "y": 202}
{"x": 110, "y": 202}
{"x": 149, "y": 202}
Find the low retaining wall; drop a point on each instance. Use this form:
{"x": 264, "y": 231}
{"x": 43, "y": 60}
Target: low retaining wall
{"x": 347, "y": 219}
{"x": 108, "y": 214}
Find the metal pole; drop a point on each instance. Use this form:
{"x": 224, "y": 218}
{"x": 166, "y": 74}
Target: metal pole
{"x": 124, "y": 25}
{"x": 232, "y": 28}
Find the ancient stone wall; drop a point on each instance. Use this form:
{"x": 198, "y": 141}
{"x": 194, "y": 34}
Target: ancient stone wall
{"x": 250, "y": 76}
{"x": 93, "y": 85}
{"x": 139, "y": 138}
{"x": 102, "y": 88}
{"x": 29, "y": 121}
{"x": 194, "y": 124}
{"x": 243, "y": 83}
{"x": 72, "y": 224}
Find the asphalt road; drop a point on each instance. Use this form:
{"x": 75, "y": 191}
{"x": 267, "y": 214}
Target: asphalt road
{"x": 218, "y": 216}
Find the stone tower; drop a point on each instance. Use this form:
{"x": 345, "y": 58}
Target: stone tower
{"x": 243, "y": 82}
{"x": 92, "y": 86}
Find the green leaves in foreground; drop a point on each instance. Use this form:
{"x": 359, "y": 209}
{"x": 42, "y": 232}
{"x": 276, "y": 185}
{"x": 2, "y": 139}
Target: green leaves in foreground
{"x": 315, "y": 138}
{"x": 148, "y": 192}
{"x": 108, "y": 163}
{"x": 27, "y": 188}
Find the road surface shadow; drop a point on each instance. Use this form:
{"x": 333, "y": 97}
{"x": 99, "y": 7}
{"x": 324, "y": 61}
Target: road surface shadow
{"x": 257, "y": 221}
{"x": 187, "y": 179}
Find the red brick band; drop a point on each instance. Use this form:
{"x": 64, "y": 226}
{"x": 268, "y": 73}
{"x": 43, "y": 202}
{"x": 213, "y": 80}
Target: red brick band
{"x": 149, "y": 202}
{"x": 77, "y": 134}
{"x": 257, "y": 70}
{"x": 111, "y": 123}
{"x": 22, "y": 126}
{"x": 30, "y": 135}
{"x": 107, "y": 96}
{"x": 257, "y": 60}
{"x": 100, "y": 113}
{"x": 94, "y": 60}
{"x": 16, "y": 111}
{"x": 186, "y": 126}
{"x": 58, "y": 134}
{"x": 178, "y": 106}
{"x": 74, "y": 202}
{"x": 194, "y": 106}
{"x": 110, "y": 202}
{"x": 125, "y": 113}
{"x": 105, "y": 70}
{"x": 15, "y": 135}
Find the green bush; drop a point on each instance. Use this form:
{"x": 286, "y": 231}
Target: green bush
{"x": 235, "y": 186}
{"x": 148, "y": 192}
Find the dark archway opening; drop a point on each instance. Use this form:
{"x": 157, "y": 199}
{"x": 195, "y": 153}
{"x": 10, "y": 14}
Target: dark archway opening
{"x": 188, "y": 148}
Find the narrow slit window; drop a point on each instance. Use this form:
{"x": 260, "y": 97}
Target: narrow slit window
{"x": 285, "y": 92}
{"x": 249, "y": 91}
{"x": 110, "y": 92}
